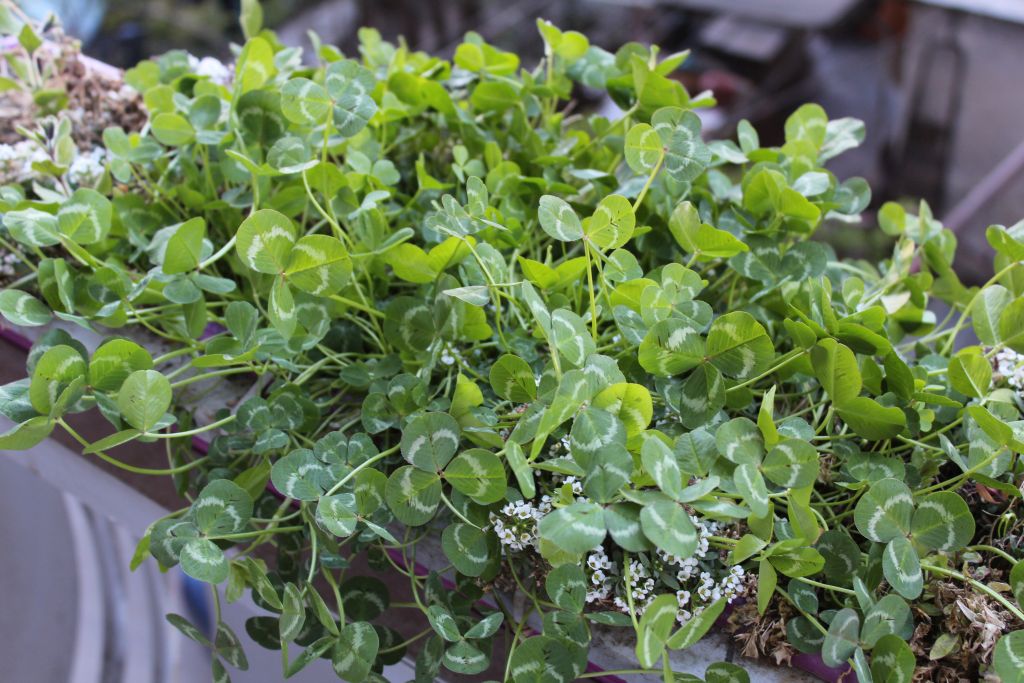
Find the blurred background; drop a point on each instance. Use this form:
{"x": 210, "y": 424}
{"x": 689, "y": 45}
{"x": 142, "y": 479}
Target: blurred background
{"x": 938, "y": 82}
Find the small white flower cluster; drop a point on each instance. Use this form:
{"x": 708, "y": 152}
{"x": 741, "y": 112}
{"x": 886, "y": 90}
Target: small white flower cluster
{"x": 516, "y": 523}
{"x": 1010, "y": 365}
{"x": 601, "y": 573}
{"x": 641, "y": 586}
{"x": 16, "y": 161}
{"x": 574, "y": 482}
{"x": 211, "y": 67}
{"x": 8, "y": 264}
{"x": 692, "y": 599}
{"x": 87, "y": 168}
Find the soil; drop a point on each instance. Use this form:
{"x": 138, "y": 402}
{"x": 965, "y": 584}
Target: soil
{"x": 97, "y": 98}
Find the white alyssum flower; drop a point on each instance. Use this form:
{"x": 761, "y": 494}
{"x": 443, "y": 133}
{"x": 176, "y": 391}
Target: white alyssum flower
{"x": 601, "y": 573}
{"x": 87, "y": 168}
{"x": 212, "y": 68}
{"x": 697, "y": 589}
{"x": 515, "y": 524}
{"x": 16, "y": 161}
{"x": 8, "y": 264}
{"x": 1010, "y": 365}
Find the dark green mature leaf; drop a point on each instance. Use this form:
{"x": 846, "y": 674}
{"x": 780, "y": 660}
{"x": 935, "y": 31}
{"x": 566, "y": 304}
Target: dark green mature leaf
{"x": 350, "y": 87}
{"x": 430, "y": 441}
{"x": 413, "y": 495}
{"x": 943, "y": 522}
{"x": 884, "y": 512}
{"x": 842, "y": 637}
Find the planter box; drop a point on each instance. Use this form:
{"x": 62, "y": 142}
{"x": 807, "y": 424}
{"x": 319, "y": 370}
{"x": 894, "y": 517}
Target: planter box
{"x": 135, "y": 501}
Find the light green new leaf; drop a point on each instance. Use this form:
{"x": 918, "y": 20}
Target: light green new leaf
{"x": 319, "y": 264}
{"x": 185, "y": 246}
{"x": 143, "y": 399}
{"x": 671, "y": 347}
{"x": 699, "y": 238}
{"x": 520, "y": 468}
{"x": 836, "y": 368}
{"x": 558, "y": 219}
{"x": 304, "y": 102}
{"x": 430, "y": 440}
{"x": 85, "y": 217}
{"x": 871, "y": 420}
{"x": 629, "y": 402}
{"x": 655, "y": 627}
{"x": 643, "y": 148}
{"x": 1011, "y": 325}
{"x": 55, "y": 370}
{"x": 512, "y": 379}
{"x": 577, "y": 528}
{"x": 113, "y": 361}
{"x": 695, "y": 629}
{"x": 738, "y": 345}
{"x": 808, "y": 123}
{"x": 26, "y": 434}
{"x": 23, "y": 309}
{"x": 172, "y": 129}
{"x": 612, "y": 223}
{"x": 884, "y": 512}
{"x": 970, "y": 372}
{"x": 987, "y": 310}
{"x": 264, "y": 241}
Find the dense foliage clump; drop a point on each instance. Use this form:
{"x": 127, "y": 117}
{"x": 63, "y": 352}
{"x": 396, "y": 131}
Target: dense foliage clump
{"x": 597, "y": 362}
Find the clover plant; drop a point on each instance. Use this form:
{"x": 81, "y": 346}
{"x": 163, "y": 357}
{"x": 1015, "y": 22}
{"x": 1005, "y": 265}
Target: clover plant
{"x": 601, "y": 363}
